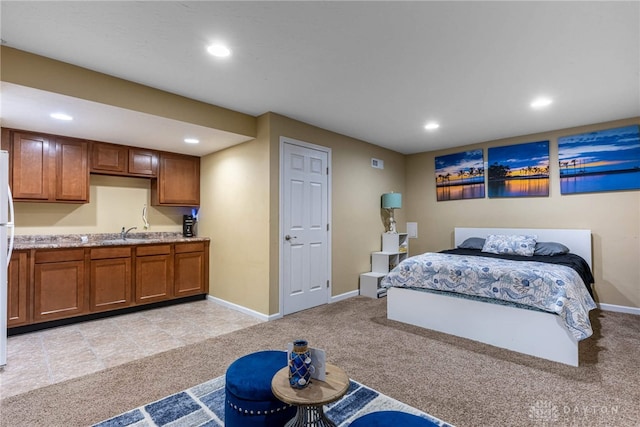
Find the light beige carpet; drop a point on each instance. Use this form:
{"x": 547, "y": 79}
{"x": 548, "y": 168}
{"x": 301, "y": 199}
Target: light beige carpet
{"x": 457, "y": 380}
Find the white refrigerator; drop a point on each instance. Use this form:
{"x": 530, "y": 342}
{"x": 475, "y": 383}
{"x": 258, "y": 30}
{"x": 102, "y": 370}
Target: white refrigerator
{"x": 6, "y": 247}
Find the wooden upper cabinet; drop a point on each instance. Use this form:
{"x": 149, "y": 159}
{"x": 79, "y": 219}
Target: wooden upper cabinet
{"x": 109, "y": 158}
{"x": 143, "y": 162}
{"x": 113, "y": 159}
{"x": 49, "y": 169}
{"x": 72, "y": 170}
{"x": 31, "y": 164}
{"x": 178, "y": 182}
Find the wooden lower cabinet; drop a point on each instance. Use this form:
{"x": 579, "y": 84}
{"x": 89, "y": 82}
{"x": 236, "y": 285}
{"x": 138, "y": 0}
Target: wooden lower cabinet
{"x": 154, "y": 273}
{"x": 110, "y": 279}
{"x": 190, "y": 270}
{"x": 18, "y": 307}
{"x": 59, "y": 284}
{"x": 52, "y": 284}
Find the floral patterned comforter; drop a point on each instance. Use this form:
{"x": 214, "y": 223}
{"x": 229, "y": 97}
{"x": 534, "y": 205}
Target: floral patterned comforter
{"x": 553, "y": 288}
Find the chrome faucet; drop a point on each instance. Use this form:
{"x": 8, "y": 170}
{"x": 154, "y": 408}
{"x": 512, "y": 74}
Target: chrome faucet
{"x": 123, "y": 233}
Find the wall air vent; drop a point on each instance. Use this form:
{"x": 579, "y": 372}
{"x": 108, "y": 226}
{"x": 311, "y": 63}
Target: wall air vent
{"x": 377, "y": 163}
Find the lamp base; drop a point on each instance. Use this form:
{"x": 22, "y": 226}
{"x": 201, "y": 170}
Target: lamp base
{"x": 392, "y": 225}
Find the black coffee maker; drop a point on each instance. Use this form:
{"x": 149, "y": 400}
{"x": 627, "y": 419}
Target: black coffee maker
{"x": 187, "y": 226}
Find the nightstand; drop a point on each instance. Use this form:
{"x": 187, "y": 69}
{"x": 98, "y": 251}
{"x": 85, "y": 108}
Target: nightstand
{"x": 395, "y": 248}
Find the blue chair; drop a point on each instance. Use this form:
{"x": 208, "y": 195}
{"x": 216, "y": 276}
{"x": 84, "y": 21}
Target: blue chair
{"x": 249, "y": 400}
{"x": 391, "y": 419}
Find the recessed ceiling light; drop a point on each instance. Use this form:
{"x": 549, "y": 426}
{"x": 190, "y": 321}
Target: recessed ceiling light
{"x": 431, "y": 126}
{"x": 191, "y": 140}
{"x": 219, "y": 50}
{"x": 541, "y": 102}
{"x": 61, "y": 116}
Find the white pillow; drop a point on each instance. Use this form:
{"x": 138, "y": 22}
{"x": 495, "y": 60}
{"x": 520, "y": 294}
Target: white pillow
{"x": 510, "y": 244}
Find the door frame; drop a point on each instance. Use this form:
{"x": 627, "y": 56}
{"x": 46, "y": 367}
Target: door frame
{"x": 286, "y": 140}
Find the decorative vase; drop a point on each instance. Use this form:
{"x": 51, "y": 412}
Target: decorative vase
{"x": 299, "y": 364}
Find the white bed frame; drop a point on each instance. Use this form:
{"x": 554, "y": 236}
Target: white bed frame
{"x": 530, "y": 332}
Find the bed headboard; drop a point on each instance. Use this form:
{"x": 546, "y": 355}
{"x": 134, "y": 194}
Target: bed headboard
{"x": 578, "y": 241}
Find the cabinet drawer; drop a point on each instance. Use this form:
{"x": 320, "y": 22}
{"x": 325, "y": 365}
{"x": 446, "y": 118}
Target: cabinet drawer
{"x": 59, "y": 255}
{"x": 104, "y": 253}
{"x": 189, "y": 247}
{"x": 145, "y": 250}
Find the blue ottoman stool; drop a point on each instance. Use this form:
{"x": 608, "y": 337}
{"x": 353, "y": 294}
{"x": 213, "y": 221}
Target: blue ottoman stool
{"x": 249, "y": 400}
{"x": 391, "y": 419}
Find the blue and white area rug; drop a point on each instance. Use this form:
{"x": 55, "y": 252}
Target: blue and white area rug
{"x": 204, "y": 405}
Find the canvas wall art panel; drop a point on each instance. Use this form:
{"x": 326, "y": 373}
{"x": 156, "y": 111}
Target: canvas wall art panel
{"x": 605, "y": 160}
{"x": 520, "y": 170}
{"x": 460, "y": 176}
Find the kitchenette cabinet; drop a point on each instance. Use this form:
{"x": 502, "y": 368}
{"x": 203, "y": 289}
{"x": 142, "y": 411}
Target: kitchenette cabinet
{"x": 113, "y": 159}
{"x": 50, "y": 168}
{"x": 47, "y": 168}
{"x": 190, "y": 268}
{"x": 110, "y": 278}
{"x": 59, "y": 284}
{"x": 72, "y": 171}
{"x": 18, "y": 306}
{"x": 154, "y": 273}
{"x": 178, "y": 182}
{"x": 56, "y": 284}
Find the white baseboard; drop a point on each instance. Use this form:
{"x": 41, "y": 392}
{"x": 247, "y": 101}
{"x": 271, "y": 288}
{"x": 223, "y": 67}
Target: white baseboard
{"x": 619, "y": 308}
{"x": 243, "y": 309}
{"x": 344, "y": 296}
{"x": 265, "y": 317}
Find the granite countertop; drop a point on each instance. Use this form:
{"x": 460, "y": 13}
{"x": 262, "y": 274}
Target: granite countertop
{"x": 54, "y": 241}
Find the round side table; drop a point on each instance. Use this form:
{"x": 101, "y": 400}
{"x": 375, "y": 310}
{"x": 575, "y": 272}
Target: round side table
{"x": 311, "y": 399}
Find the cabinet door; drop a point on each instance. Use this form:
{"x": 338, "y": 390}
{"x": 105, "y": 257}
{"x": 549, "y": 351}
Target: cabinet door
{"x": 109, "y": 158}
{"x": 58, "y": 290}
{"x": 31, "y": 177}
{"x": 18, "y": 290}
{"x": 154, "y": 276}
{"x": 189, "y": 274}
{"x": 72, "y": 171}
{"x": 110, "y": 284}
{"x": 178, "y": 182}
{"x": 143, "y": 162}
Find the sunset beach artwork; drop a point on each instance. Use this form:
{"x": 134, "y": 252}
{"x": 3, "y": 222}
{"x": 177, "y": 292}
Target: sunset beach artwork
{"x": 460, "y": 176}
{"x": 605, "y": 160}
{"x": 520, "y": 170}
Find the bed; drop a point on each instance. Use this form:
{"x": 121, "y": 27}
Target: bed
{"x": 519, "y": 325}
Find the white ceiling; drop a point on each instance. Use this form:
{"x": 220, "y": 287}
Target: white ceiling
{"x": 377, "y": 71}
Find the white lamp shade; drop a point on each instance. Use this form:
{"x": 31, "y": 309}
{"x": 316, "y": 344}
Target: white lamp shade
{"x": 392, "y": 201}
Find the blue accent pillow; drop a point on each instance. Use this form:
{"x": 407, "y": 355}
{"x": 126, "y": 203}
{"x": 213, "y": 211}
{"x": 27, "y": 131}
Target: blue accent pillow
{"x": 472, "y": 243}
{"x": 550, "y": 249}
{"x": 510, "y": 244}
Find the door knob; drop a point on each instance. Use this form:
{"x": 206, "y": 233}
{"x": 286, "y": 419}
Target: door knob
{"x": 287, "y": 237}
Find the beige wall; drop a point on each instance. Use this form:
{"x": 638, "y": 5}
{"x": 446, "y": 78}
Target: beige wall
{"x": 115, "y": 202}
{"x": 234, "y": 213}
{"x": 240, "y": 210}
{"x": 613, "y": 217}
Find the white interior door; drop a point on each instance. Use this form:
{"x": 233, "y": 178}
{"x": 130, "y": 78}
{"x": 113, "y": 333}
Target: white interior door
{"x": 305, "y": 248}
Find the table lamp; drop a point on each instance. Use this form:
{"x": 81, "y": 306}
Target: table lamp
{"x": 391, "y": 201}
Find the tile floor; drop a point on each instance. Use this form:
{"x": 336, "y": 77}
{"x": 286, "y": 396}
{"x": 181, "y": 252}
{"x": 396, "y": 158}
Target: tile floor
{"x": 46, "y": 357}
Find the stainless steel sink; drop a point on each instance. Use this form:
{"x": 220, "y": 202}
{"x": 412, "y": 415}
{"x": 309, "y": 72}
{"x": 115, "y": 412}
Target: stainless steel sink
{"x": 125, "y": 241}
